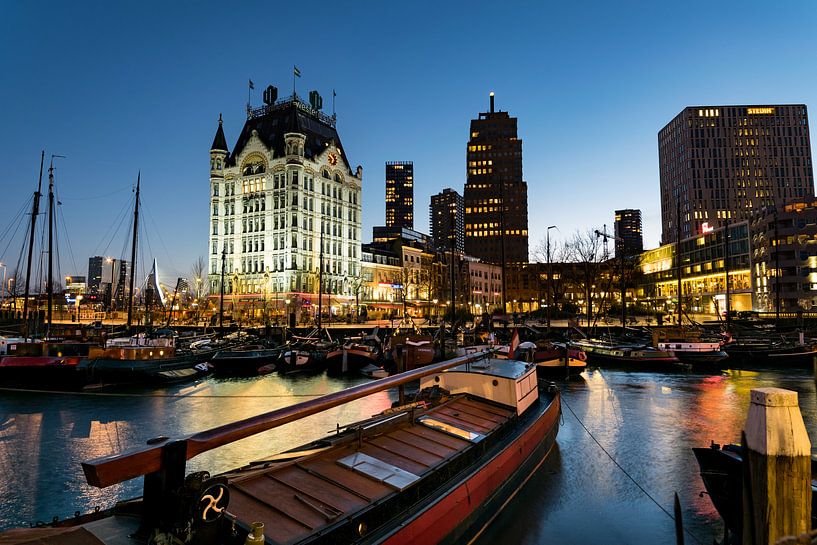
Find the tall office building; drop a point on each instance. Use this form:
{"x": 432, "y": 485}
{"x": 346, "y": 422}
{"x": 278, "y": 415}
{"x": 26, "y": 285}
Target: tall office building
{"x": 725, "y": 162}
{"x": 447, "y": 218}
{"x": 400, "y": 194}
{"x": 495, "y": 194}
{"x": 629, "y": 239}
{"x": 286, "y": 187}
{"x": 95, "y": 273}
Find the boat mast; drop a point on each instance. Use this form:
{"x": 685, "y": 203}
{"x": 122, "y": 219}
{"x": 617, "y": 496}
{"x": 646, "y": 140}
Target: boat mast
{"x": 221, "y": 294}
{"x": 50, "y": 286}
{"x": 35, "y": 210}
{"x": 502, "y": 238}
{"x": 320, "y": 280}
{"x": 133, "y": 249}
{"x": 776, "y": 273}
{"x": 452, "y": 233}
{"x": 678, "y": 254}
{"x": 726, "y": 267}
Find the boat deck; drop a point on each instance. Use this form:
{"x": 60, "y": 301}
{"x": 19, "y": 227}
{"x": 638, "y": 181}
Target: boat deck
{"x": 309, "y": 495}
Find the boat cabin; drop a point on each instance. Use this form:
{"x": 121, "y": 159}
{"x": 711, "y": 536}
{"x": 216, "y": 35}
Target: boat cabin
{"x": 514, "y": 383}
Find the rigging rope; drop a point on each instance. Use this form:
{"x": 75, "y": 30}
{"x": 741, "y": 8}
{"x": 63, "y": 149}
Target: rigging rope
{"x": 612, "y": 459}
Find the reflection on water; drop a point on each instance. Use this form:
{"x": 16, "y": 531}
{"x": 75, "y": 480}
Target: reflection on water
{"x": 44, "y": 437}
{"x": 647, "y": 422}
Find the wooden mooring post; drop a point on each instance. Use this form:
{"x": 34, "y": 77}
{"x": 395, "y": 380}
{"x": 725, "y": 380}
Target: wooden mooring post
{"x": 777, "y": 474}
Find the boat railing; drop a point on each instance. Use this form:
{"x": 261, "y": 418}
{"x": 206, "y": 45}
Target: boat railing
{"x": 162, "y": 462}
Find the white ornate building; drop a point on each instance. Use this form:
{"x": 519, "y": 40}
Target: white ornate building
{"x": 286, "y": 179}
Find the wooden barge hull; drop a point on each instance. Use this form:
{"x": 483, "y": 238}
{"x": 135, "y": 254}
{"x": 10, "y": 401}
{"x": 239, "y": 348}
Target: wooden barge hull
{"x": 41, "y": 372}
{"x": 466, "y": 508}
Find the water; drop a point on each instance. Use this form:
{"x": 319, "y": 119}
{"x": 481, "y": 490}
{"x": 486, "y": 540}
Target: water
{"x": 646, "y": 422}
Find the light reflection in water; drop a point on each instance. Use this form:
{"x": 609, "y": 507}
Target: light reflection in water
{"x": 647, "y": 421}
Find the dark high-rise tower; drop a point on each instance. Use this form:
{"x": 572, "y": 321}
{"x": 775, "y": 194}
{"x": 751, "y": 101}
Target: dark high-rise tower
{"x": 629, "y": 240}
{"x": 447, "y": 219}
{"x": 724, "y": 162}
{"x": 400, "y": 194}
{"x": 495, "y": 194}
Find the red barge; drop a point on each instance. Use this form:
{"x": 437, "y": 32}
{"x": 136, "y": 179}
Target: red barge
{"x": 436, "y": 470}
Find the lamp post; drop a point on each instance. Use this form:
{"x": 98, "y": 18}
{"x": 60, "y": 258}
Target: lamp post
{"x": 79, "y": 298}
{"x": 550, "y": 277}
{"x": 3, "y": 296}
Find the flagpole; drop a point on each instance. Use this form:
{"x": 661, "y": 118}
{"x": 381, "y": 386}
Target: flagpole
{"x": 333, "y": 101}
{"x": 294, "y": 75}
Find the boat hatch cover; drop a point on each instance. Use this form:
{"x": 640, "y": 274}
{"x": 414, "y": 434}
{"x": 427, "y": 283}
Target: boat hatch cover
{"x": 439, "y": 425}
{"x": 379, "y": 470}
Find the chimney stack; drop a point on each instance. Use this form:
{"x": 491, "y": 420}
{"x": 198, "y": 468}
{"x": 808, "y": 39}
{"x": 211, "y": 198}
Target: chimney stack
{"x": 492, "y": 101}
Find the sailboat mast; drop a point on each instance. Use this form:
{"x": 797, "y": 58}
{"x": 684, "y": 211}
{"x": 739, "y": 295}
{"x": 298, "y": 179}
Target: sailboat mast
{"x": 726, "y": 268}
{"x": 35, "y": 210}
{"x": 320, "y": 281}
{"x": 133, "y": 248}
{"x": 678, "y": 254}
{"x": 50, "y": 286}
{"x": 452, "y": 229}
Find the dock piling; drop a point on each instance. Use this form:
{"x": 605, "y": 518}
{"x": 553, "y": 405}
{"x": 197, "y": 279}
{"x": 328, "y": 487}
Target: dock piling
{"x": 777, "y": 485}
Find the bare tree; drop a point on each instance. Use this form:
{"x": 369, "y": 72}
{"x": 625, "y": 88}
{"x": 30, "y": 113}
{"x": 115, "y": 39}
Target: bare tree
{"x": 584, "y": 249}
{"x": 200, "y": 286}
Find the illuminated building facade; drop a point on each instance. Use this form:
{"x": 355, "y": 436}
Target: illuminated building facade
{"x": 726, "y": 162}
{"x": 287, "y": 180}
{"x": 703, "y": 273}
{"x": 495, "y": 194}
{"x": 447, "y": 217}
{"x": 629, "y": 238}
{"x": 792, "y": 231}
{"x": 400, "y": 194}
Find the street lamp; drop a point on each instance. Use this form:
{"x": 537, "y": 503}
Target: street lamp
{"x": 550, "y": 277}
{"x": 3, "y": 296}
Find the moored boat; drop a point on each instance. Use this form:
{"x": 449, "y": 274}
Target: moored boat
{"x": 354, "y": 354}
{"x": 766, "y": 352}
{"x": 246, "y": 360}
{"x": 44, "y": 364}
{"x": 689, "y": 347}
{"x": 722, "y": 474}
{"x": 434, "y": 471}
{"x": 635, "y": 357}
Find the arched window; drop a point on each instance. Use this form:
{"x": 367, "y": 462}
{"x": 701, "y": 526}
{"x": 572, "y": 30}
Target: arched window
{"x": 325, "y": 174}
{"x": 338, "y": 178}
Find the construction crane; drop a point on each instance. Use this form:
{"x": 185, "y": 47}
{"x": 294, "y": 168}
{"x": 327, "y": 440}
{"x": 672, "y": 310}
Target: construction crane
{"x": 607, "y": 236}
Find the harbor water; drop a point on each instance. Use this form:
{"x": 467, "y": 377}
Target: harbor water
{"x": 622, "y": 451}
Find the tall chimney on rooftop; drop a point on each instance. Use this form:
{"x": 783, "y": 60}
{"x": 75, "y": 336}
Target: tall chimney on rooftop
{"x": 492, "y": 101}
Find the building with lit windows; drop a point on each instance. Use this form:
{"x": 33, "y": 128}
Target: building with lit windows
{"x": 628, "y": 236}
{"x": 495, "y": 194}
{"x": 447, "y": 218}
{"x": 400, "y": 194}
{"x": 784, "y": 258}
{"x": 286, "y": 187}
{"x": 703, "y": 273}
{"x": 726, "y": 162}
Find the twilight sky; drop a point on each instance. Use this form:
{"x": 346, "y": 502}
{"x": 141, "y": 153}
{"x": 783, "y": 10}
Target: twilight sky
{"x": 119, "y": 87}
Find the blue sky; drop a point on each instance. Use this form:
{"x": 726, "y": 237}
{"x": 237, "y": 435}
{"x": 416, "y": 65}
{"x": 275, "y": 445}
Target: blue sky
{"x": 119, "y": 87}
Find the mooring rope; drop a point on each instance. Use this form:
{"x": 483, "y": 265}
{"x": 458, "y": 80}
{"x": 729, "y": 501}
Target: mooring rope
{"x": 612, "y": 459}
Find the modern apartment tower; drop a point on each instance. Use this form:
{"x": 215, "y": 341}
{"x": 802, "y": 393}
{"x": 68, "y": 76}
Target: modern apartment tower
{"x": 629, "y": 238}
{"x": 496, "y": 197}
{"x": 286, "y": 189}
{"x": 726, "y": 162}
{"x": 447, "y": 218}
{"x": 400, "y": 194}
